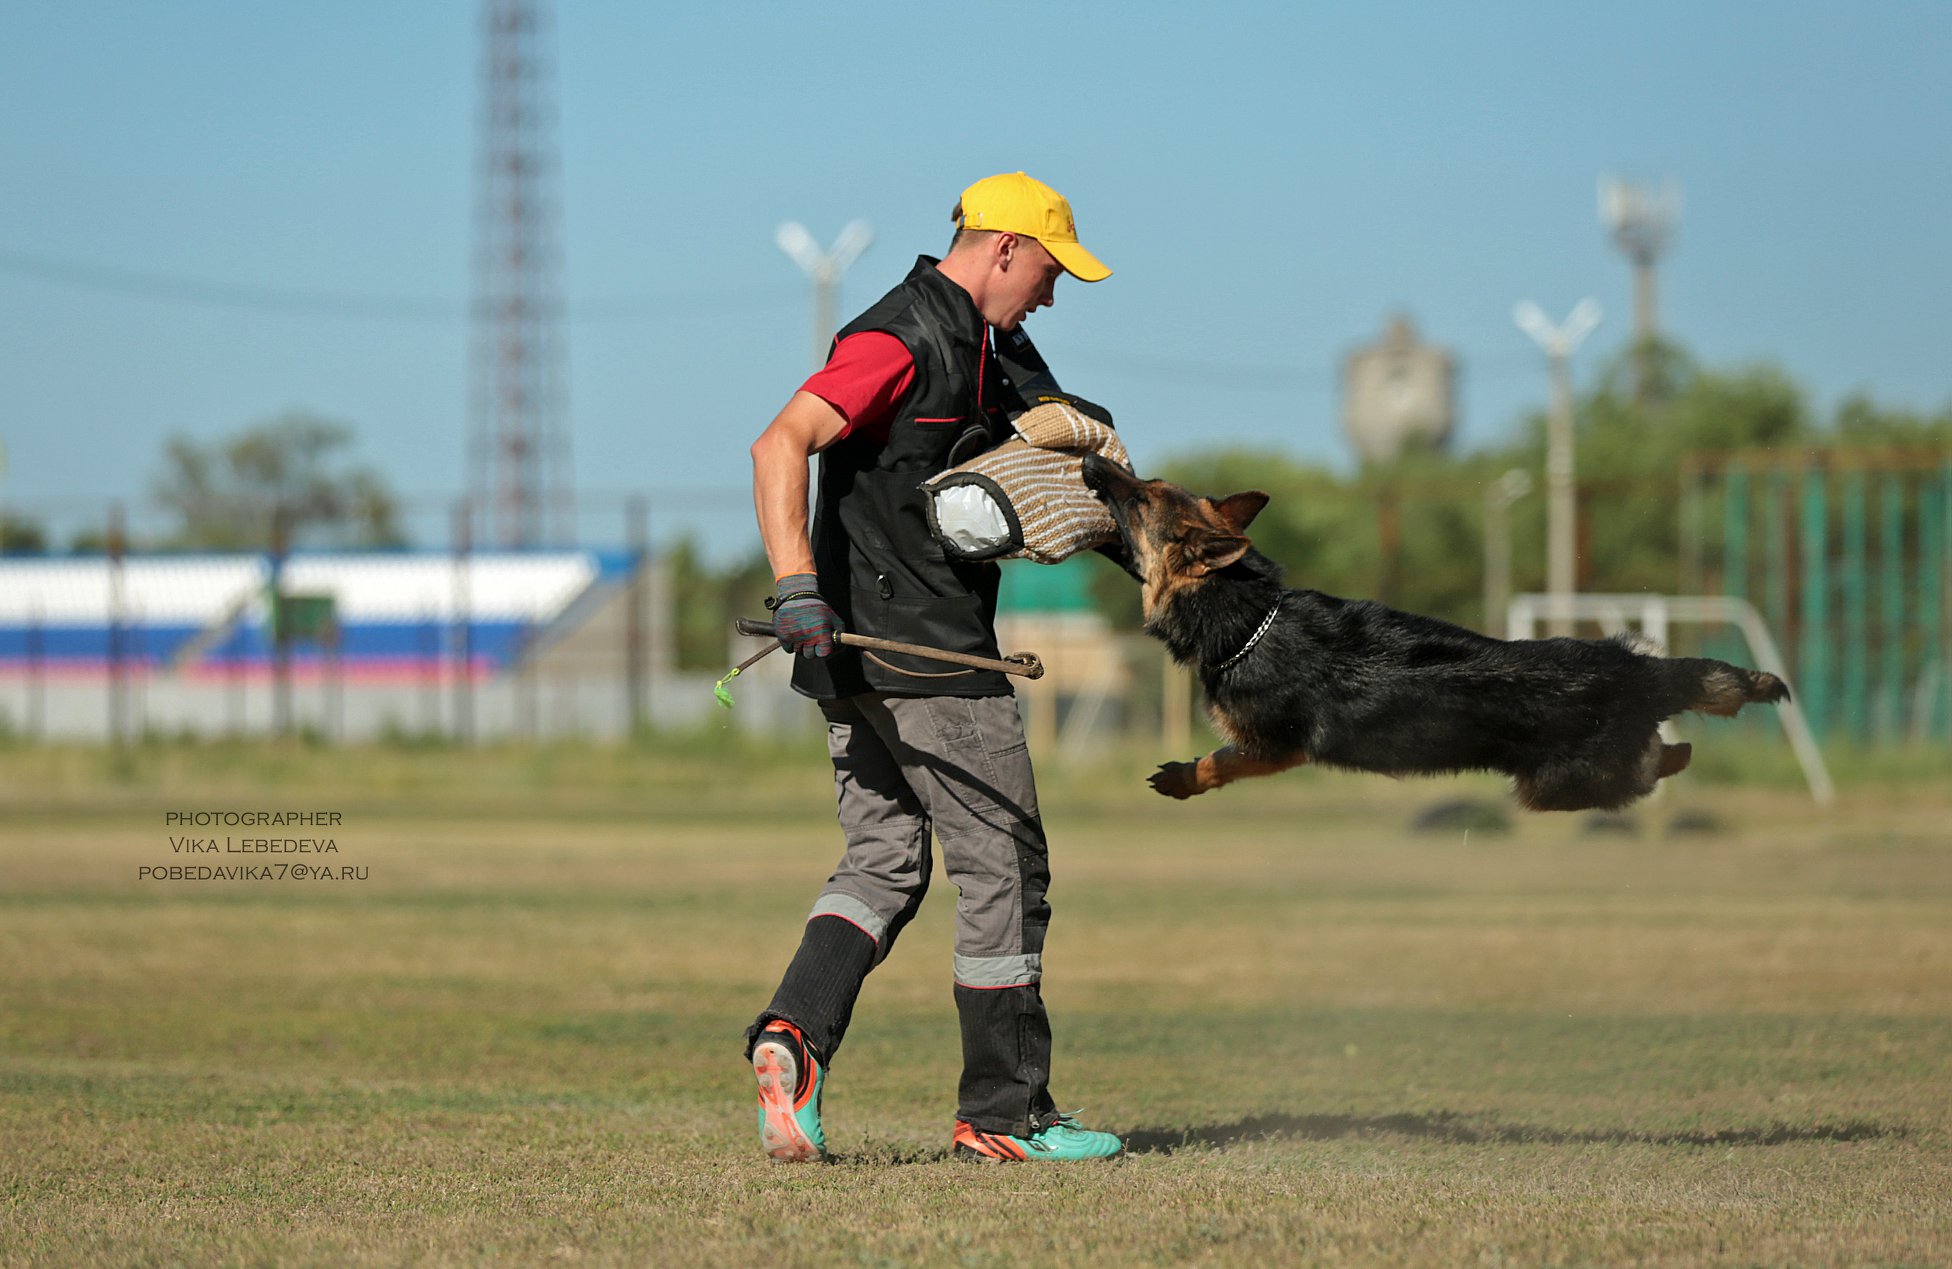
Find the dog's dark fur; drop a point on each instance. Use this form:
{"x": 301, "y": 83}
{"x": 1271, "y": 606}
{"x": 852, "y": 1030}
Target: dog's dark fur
{"x": 1351, "y": 683}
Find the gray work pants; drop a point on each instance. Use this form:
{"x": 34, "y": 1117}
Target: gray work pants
{"x": 908, "y": 765}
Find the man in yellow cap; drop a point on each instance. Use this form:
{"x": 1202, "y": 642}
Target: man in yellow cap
{"x": 928, "y": 376}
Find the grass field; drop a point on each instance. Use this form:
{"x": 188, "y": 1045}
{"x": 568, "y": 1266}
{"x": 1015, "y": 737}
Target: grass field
{"x": 1328, "y": 1040}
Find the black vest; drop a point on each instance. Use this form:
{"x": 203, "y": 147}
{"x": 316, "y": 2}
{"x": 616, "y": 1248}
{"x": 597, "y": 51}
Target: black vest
{"x": 879, "y": 565}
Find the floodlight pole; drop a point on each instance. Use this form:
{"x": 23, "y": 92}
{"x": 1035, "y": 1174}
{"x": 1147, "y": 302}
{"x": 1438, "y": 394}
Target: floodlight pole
{"x": 280, "y": 622}
{"x": 1559, "y": 343}
{"x": 824, "y": 270}
{"x": 1504, "y": 491}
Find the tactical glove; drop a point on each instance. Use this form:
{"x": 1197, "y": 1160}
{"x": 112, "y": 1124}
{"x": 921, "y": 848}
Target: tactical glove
{"x": 803, "y": 621}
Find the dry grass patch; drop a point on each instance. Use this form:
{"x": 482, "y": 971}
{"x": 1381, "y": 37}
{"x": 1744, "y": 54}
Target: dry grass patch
{"x": 1328, "y": 1040}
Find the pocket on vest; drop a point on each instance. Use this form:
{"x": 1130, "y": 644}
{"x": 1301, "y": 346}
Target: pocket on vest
{"x": 954, "y": 623}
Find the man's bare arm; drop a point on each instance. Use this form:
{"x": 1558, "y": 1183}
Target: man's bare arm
{"x": 806, "y": 426}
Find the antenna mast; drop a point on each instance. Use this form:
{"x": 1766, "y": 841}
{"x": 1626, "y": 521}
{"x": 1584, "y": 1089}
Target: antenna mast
{"x": 519, "y": 448}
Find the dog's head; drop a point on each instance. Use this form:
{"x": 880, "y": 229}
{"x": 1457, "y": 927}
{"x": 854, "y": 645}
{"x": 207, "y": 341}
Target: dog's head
{"x": 1173, "y": 538}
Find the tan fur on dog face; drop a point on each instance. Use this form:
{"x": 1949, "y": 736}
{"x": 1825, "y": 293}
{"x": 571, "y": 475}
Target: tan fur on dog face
{"x": 1177, "y": 538}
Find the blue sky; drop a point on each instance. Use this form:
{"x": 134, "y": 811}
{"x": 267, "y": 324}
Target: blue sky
{"x": 1269, "y": 181}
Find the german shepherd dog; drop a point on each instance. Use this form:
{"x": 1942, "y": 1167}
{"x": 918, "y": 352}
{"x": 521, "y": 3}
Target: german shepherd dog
{"x": 1294, "y": 676}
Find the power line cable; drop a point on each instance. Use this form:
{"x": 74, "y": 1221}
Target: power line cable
{"x": 1260, "y": 376}
{"x": 179, "y": 289}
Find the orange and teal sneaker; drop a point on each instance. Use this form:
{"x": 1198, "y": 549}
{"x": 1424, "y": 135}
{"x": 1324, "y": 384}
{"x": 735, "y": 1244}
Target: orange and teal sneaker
{"x": 1058, "y": 1139}
{"x": 789, "y": 1095}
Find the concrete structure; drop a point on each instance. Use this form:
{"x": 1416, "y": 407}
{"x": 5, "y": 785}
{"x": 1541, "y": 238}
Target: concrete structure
{"x": 1397, "y": 392}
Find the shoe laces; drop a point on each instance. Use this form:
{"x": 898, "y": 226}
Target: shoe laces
{"x": 1057, "y": 1119}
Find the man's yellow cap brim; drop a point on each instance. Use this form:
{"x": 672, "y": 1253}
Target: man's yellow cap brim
{"x": 1077, "y": 262}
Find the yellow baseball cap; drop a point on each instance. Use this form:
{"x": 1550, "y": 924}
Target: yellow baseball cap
{"x": 1018, "y": 204}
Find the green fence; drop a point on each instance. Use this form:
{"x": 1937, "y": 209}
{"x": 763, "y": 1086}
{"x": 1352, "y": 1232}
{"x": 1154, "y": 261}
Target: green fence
{"x": 1848, "y": 555}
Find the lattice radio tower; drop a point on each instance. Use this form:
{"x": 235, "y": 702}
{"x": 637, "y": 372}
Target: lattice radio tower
{"x": 519, "y": 446}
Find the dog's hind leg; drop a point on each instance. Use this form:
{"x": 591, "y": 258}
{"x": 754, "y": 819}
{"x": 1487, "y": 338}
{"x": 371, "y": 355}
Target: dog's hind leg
{"x": 1598, "y": 779}
{"x": 1223, "y": 766}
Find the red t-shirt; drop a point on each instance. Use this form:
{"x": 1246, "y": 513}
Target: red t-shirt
{"x": 868, "y": 373}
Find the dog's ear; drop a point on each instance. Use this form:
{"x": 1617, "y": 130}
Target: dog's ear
{"x": 1211, "y": 552}
{"x": 1240, "y": 509}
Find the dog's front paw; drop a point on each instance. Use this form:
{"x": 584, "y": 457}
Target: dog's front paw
{"x": 1176, "y": 779}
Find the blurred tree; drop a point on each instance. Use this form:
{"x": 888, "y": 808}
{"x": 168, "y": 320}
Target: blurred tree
{"x": 1406, "y": 531}
{"x": 1318, "y": 526}
{"x": 1861, "y": 422}
{"x": 228, "y": 493}
{"x": 706, "y": 600}
{"x": 1630, "y": 457}
{"x": 17, "y": 534}
{"x": 1411, "y": 531}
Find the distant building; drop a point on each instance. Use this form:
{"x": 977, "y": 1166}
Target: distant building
{"x": 1397, "y": 392}
{"x": 395, "y": 613}
{"x": 523, "y": 643}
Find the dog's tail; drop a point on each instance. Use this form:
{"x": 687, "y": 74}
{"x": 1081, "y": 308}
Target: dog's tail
{"x": 1716, "y": 687}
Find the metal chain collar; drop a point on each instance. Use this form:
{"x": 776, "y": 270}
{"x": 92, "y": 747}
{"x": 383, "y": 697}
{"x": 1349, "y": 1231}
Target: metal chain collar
{"x": 1267, "y": 623}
